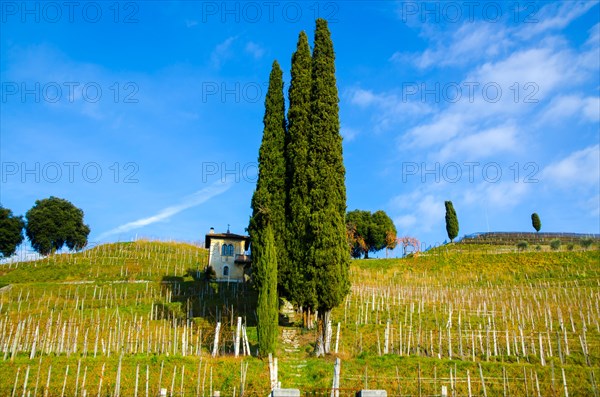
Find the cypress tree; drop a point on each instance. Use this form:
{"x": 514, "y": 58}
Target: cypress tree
{"x": 536, "y": 222}
{"x": 451, "y": 221}
{"x": 268, "y": 210}
{"x": 328, "y": 254}
{"x": 267, "y": 311}
{"x": 295, "y": 279}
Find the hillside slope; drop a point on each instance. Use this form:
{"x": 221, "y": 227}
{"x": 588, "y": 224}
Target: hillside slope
{"x": 98, "y": 320}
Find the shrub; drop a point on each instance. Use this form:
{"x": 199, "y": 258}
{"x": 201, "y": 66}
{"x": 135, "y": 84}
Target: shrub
{"x": 570, "y": 247}
{"x": 210, "y": 274}
{"x": 586, "y": 243}
{"x": 538, "y": 247}
{"x": 522, "y": 245}
{"x": 555, "y": 244}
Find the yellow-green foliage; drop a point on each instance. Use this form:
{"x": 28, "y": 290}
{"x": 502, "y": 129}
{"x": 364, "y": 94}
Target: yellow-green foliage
{"x": 146, "y": 303}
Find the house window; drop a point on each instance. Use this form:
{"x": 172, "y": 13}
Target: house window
{"x": 225, "y": 270}
{"x": 227, "y": 250}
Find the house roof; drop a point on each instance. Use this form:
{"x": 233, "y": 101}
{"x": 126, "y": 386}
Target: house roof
{"x": 227, "y": 236}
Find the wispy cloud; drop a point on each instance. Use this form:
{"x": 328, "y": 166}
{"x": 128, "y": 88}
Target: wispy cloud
{"x": 222, "y": 52}
{"x": 255, "y": 50}
{"x": 190, "y": 201}
{"x": 579, "y": 169}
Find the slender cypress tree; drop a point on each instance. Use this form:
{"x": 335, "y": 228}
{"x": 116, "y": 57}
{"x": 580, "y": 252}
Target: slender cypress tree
{"x": 328, "y": 254}
{"x": 268, "y": 210}
{"x": 451, "y": 221}
{"x": 536, "y": 222}
{"x": 267, "y": 311}
{"x": 295, "y": 279}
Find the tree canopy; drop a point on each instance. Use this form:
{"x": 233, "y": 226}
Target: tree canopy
{"x": 53, "y": 223}
{"x": 369, "y": 232}
{"x": 11, "y": 232}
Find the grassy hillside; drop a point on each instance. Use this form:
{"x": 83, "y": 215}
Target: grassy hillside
{"x": 525, "y": 323}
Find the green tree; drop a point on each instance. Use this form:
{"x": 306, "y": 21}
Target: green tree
{"x": 373, "y": 232}
{"x": 586, "y": 243}
{"x": 382, "y": 225}
{"x": 53, "y": 223}
{"x": 451, "y": 221}
{"x": 11, "y": 232}
{"x": 268, "y": 208}
{"x": 295, "y": 277}
{"x": 359, "y": 222}
{"x": 535, "y": 222}
{"x": 265, "y": 278}
{"x": 328, "y": 255}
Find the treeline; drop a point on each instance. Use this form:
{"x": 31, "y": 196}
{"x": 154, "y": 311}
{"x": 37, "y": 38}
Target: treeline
{"x": 49, "y": 225}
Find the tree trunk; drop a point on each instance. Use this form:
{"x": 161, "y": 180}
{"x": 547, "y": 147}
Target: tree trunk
{"x": 321, "y": 348}
{"x": 366, "y": 254}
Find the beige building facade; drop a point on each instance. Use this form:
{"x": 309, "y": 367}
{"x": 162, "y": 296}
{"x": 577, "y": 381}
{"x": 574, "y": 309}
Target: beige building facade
{"x": 228, "y": 255}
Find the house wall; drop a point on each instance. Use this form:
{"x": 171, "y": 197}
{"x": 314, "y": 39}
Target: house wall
{"x": 218, "y": 262}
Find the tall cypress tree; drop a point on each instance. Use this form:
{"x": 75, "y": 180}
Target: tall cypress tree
{"x": 295, "y": 279}
{"x": 328, "y": 254}
{"x": 536, "y": 222}
{"x": 451, "y": 221}
{"x": 267, "y": 310}
{"x": 268, "y": 210}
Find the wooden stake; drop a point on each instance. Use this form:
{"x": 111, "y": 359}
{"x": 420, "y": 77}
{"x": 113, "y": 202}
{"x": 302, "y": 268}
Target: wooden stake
{"x": 482, "y": 381}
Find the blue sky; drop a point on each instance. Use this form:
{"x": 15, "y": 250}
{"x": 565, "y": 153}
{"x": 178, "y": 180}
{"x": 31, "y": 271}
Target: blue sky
{"x": 148, "y": 115}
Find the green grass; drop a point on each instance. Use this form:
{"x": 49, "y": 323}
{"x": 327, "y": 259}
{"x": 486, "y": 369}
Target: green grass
{"x": 140, "y": 298}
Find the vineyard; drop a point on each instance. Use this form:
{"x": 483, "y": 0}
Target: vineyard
{"x": 130, "y": 319}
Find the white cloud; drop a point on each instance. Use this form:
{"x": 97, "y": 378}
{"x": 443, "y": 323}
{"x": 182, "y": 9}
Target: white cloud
{"x": 579, "y": 169}
{"x": 594, "y": 38}
{"x": 222, "y": 52}
{"x": 497, "y": 140}
{"x": 446, "y": 126}
{"x": 471, "y": 42}
{"x": 500, "y": 195}
{"x": 255, "y": 50}
{"x": 555, "y": 16}
{"x": 421, "y": 212}
{"x": 482, "y": 40}
{"x": 349, "y": 134}
{"x": 389, "y": 108}
{"x": 364, "y": 98}
{"x": 193, "y": 200}
{"x": 564, "y": 107}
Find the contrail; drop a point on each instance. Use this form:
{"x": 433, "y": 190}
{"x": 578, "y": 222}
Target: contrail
{"x": 190, "y": 201}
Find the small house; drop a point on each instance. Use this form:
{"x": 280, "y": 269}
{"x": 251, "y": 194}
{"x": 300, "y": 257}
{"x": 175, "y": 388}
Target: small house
{"x": 228, "y": 254}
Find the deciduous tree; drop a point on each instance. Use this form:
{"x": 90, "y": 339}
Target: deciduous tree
{"x": 53, "y": 223}
{"x": 372, "y": 232}
{"x": 11, "y": 232}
